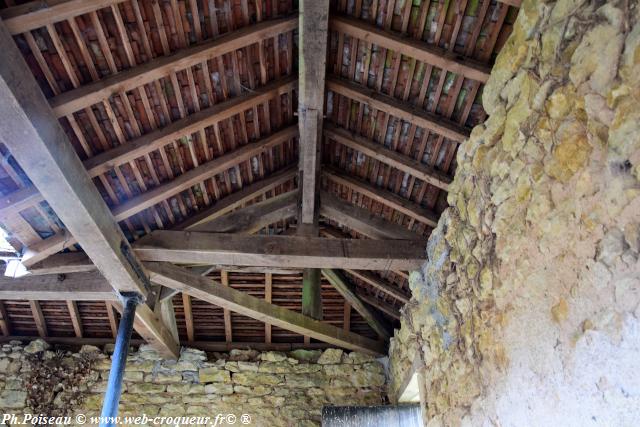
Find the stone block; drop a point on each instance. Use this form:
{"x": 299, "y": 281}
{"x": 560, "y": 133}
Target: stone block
{"x": 213, "y": 375}
{"x": 330, "y": 356}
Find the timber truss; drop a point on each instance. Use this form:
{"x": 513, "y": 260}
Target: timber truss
{"x": 264, "y": 176}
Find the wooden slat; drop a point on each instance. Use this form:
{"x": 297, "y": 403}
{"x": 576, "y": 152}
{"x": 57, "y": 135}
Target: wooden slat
{"x": 36, "y": 14}
{"x": 341, "y": 284}
{"x": 251, "y": 219}
{"x": 399, "y": 109}
{"x": 242, "y": 303}
{"x": 411, "y": 47}
{"x": 279, "y": 251}
{"x": 87, "y": 95}
{"x": 385, "y": 155}
{"x": 362, "y": 220}
{"x": 383, "y": 196}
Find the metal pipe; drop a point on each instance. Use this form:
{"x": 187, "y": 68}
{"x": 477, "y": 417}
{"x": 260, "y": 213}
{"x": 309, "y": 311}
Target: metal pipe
{"x": 119, "y": 360}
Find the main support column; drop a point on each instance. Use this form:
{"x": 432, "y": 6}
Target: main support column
{"x": 114, "y": 385}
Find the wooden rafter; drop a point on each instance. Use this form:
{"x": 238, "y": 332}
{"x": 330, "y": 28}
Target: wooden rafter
{"x": 92, "y": 93}
{"x": 393, "y": 158}
{"x": 278, "y": 251}
{"x": 399, "y": 109}
{"x": 64, "y": 182}
{"x": 363, "y": 221}
{"x": 242, "y": 303}
{"x": 383, "y": 196}
{"x": 410, "y": 47}
{"x": 90, "y": 286}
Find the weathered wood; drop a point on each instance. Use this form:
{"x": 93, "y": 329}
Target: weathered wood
{"x": 347, "y": 291}
{"x": 375, "y": 302}
{"x": 279, "y": 251}
{"x": 237, "y": 199}
{"x": 36, "y": 14}
{"x": 4, "y": 320}
{"x": 408, "y": 46}
{"x": 390, "y": 157}
{"x": 188, "y": 316}
{"x": 75, "y": 318}
{"x": 55, "y": 169}
{"x": 313, "y": 33}
{"x": 242, "y": 303}
{"x": 38, "y": 318}
{"x": 92, "y": 93}
{"x": 228, "y": 331}
{"x": 398, "y": 108}
{"x": 89, "y": 286}
{"x": 379, "y": 284}
{"x": 268, "y": 293}
{"x": 52, "y": 165}
{"x": 253, "y": 218}
{"x": 362, "y": 220}
{"x": 383, "y": 196}
{"x": 311, "y": 293}
{"x": 63, "y": 263}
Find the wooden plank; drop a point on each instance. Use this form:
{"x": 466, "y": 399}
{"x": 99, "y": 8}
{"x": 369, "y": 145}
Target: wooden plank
{"x": 237, "y": 199}
{"x": 63, "y": 263}
{"x": 347, "y": 291}
{"x": 311, "y": 293}
{"x": 253, "y": 218}
{"x": 397, "y": 108}
{"x": 19, "y": 200}
{"x": 202, "y": 172}
{"x": 383, "y": 196}
{"x": 390, "y": 157}
{"x": 313, "y": 33}
{"x": 75, "y": 287}
{"x": 279, "y": 251}
{"x": 411, "y": 47}
{"x": 247, "y": 305}
{"x": 188, "y": 316}
{"x": 38, "y": 318}
{"x": 362, "y": 220}
{"x": 92, "y": 93}
{"x": 26, "y": 116}
{"x": 379, "y": 284}
{"x": 36, "y": 14}
{"x": 376, "y": 303}
{"x": 75, "y": 318}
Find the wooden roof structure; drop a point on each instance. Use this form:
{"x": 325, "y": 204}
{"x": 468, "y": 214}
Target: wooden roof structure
{"x": 265, "y": 172}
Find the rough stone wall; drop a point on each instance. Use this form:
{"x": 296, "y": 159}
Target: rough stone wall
{"x": 275, "y": 389}
{"x": 527, "y": 311}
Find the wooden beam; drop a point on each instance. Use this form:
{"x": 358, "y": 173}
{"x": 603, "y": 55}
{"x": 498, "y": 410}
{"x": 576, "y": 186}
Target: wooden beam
{"x": 111, "y": 315}
{"x": 239, "y": 198}
{"x": 63, "y": 263}
{"x": 408, "y": 46}
{"x": 92, "y": 93}
{"x": 4, "y": 321}
{"x": 311, "y": 293}
{"x": 392, "y": 158}
{"x": 268, "y": 294}
{"x": 346, "y": 289}
{"x": 247, "y": 305}
{"x": 76, "y": 321}
{"x": 89, "y": 286}
{"x": 35, "y": 14}
{"x": 250, "y": 219}
{"x": 346, "y": 317}
{"x": 376, "y": 303}
{"x": 380, "y": 284}
{"x": 188, "y": 316}
{"x": 55, "y": 169}
{"x": 147, "y": 143}
{"x": 383, "y": 196}
{"x": 38, "y": 318}
{"x": 399, "y": 109}
{"x": 313, "y": 34}
{"x": 279, "y": 251}
{"x": 228, "y": 331}
{"x": 201, "y": 173}
{"x": 362, "y": 220}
